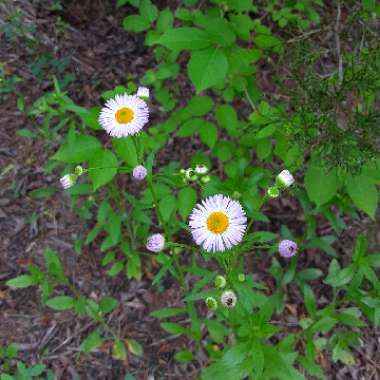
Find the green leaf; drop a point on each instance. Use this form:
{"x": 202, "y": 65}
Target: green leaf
{"x": 53, "y": 264}
{"x": 125, "y": 149}
{"x": 258, "y": 357}
{"x": 216, "y": 330}
{"x": 104, "y": 167}
{"x": 187, "y": 198}
{"x": 116, "y": 268}
{"x": 242, "y": 24}
{"x": 267, "y": 42}
{"x": 167, "y": 206}
{"x": 226, "y": 117}
{"x": 341, "y": 277}
{"x": 230, "y": 366}
{"x": 240, "y": 5}
{"x": 364, "y": 194}
{"x": 184, "y": 356}
{"x": 60, "y": 303}
{"x": 21, "y": 282}
{"x": 219, "y": 31}
{"x": 309, "y": 298}
{"x": 167, "y": 312}
{"x": 265, "y": 132}
{"x": 148, "y": 10}
{"x": 190, "y": 127}
{"x": 91, "y": 118}
{"x": 208, "y": 134}
{"x": 165, "y": 20}
{"x": 199, "y": 105}
{"x": 44, "y": 192}
{"x": 107, "y": 304}
{"x": 185, "y": 38}
{"x": 92, "y": 341}
{"x": 134, "y": 347}
{"x": 320, "y": 186}
{"x": 280, "y": 367}
{"x": 82, "y": 148}
{"x": 119, "y": 350}
{"x": 207, "y": 68}
{"x": 173, "y": 328}
{"x": 136, "y": 23}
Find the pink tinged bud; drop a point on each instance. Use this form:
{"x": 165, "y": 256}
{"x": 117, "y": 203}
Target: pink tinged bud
{"x": 139, "y": 172}
{"x": 143, "y": 92}
{"x": 68, "y": 180}
{"x": 287, "y": 248}
{"x": 155, "y": 243}
{"x": 284, "y": 179}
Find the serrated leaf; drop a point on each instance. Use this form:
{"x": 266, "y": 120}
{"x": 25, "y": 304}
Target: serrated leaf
{"x": 207, "y": 68}
{"x": 208, "y": 134}
{"x": 363, "y": 193}
{"x": 185, "y": 38}
{"x": 104, "y": 167}
{"x": 82, "y": 148}
{"x": 320, "y": 185}
{"x": 167, "y": 206}
{"x": 187, "y": 198}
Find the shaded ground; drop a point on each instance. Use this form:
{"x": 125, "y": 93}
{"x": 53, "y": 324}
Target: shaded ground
{"x": 101, "y": 55}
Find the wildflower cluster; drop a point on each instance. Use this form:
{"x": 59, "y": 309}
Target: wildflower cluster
{"x": 199, "y": 173}
{"x": 283, "y": 181}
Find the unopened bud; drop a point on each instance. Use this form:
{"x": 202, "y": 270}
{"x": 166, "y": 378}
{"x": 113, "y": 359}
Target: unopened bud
{"x": 220, "y": 282}
{"x": 211, "y": 303}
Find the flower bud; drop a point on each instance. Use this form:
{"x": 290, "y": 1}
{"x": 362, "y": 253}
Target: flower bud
{"x": 287, "y": 248}
{"x": 241, "y": 277}
{"x": 211, "y": 303}
{"x": 205, "y": 179}
{"x": 139, "y": 172}
{"x": 155, "y": 243}
{"x": 190, "y": 175}
{"x": 68, "y": 180}
{"x": 284, "y": 179}
{"x": 273, "y": 192}
{"x": 201, "y": 169}
{"x": 143, "y": 92}
{"x": 220, "y": 282}
{"x": 79, "y": 170}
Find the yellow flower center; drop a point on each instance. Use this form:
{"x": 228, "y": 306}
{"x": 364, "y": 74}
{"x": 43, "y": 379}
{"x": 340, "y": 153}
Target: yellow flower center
{"x": 124, "y": 115}
{"x": 217, "y": 222}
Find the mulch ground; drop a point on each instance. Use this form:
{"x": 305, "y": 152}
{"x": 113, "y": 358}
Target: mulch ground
{"x": 101, "y": 55}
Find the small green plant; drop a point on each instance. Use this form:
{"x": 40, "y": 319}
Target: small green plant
{"x": 198, "y": 215}
{"x": 53, "y": 281}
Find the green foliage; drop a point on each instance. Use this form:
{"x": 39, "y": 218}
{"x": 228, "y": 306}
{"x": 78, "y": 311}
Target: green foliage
{"x": 325, "y": 131}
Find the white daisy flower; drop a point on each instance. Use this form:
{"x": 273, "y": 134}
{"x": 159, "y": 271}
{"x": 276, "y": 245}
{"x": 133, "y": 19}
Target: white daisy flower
{"x": 68, "y": 180}
{"x": 124, "y": 115}
{"x": 285, "y": 179}
{"x": 218, "y": 223}
{"x": 143, "y": 92}
{"x": 228, "y": 299}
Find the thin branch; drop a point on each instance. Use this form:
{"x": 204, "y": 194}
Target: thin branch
{"x": 337, "y": 41}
